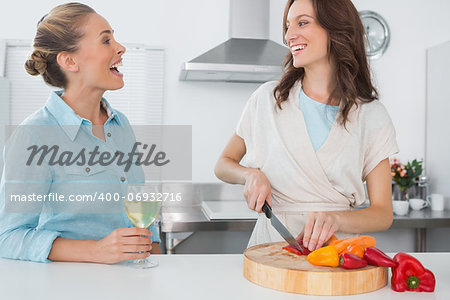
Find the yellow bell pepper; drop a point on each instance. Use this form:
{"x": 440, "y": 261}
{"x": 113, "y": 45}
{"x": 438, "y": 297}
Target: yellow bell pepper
{"x": 325, "y": 256}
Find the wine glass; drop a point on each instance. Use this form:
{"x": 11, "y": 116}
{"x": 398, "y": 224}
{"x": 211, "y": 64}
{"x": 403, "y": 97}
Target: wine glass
{"x": 142, "y": 205}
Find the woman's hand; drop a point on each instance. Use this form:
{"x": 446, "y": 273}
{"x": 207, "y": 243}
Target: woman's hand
{"x": 123, "y": 244}
{"x": 319, "y": 228}
{"x": 257, "y": 190}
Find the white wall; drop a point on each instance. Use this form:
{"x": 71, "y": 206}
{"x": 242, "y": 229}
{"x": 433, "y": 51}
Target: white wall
{"x": 187, "y": 28}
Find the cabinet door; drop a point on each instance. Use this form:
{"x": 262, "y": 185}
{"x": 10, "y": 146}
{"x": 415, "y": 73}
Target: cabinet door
{"x": 437, "y": 156}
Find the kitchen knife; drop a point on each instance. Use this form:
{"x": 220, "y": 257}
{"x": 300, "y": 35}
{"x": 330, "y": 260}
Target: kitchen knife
{"x": 282, "y": 230}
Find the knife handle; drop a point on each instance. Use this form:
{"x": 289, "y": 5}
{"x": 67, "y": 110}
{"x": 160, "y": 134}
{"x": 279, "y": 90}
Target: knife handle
{"x": 267, "y": 210}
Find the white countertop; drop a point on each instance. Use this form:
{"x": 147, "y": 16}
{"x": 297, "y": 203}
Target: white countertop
{"x": 176, "y": 277}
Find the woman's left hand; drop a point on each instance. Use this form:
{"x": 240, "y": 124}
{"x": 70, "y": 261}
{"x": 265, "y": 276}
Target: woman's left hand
{"x": 319, "y": 228}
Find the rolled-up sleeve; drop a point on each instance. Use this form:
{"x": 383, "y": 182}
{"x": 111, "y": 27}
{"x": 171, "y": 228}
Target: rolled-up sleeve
{"x": 245, "y": 123}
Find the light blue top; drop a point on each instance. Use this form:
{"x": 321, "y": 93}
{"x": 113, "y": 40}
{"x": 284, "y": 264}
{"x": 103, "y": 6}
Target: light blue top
{"x": 319, "y": 119}
{"x": 28, "y": 228}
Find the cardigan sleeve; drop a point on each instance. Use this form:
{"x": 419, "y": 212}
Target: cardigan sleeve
{"x": 381, "y": 142}
{"x": 244, "y": 126}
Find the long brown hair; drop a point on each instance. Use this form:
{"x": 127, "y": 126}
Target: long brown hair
{"x": 57, "y": 31}
{"x": 346, "y": 46}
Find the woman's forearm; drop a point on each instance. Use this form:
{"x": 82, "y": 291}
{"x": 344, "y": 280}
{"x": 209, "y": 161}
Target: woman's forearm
{"x": 378, "y": 216}
{"x": 230, "y": 171}
{"x": 371, "y": 219}
{"x": 72, "y": 250}
{"x": 121, "y": 244}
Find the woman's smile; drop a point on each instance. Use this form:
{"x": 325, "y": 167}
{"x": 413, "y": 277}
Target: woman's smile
{"x": 297, "y": 48}
{"x": 114, "y": 69}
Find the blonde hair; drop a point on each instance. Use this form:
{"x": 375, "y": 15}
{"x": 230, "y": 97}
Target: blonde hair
{"x": 57, "y": 31}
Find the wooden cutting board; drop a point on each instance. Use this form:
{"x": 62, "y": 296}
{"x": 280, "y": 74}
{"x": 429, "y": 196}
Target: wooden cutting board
{"x": 271, "y": 266}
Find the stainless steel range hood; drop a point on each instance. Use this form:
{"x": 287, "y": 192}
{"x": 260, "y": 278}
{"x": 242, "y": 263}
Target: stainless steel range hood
{"x": 248, "y": 56}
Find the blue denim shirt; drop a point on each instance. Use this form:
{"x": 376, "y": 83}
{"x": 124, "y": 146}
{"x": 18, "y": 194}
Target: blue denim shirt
{"x": 28, "y": 228}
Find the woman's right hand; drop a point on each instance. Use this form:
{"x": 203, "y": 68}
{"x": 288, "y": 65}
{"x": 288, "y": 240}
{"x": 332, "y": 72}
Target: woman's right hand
{"x": 123, "y": 244}
{"x": 257, "y": 190}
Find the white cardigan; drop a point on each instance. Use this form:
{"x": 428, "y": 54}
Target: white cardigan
{"x": 303, "y": 180}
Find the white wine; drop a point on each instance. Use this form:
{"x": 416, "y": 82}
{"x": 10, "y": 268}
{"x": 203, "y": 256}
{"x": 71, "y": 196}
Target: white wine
{"x": 142, "y": 213}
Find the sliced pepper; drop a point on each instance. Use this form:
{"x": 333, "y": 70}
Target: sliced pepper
{"x": 351, "y": 261}
{"x": 325, "y": 256}
{"x": 376, "y": 257}
{"x": 410, "y": 275}
{"x": 354, "y": 249}
{"x": 296, "y": 251}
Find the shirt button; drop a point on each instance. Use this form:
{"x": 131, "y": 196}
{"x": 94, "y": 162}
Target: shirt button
{"x": 122, "y": 179}
{"x": 109, "y": 134}
{"x": 88, "y": 170}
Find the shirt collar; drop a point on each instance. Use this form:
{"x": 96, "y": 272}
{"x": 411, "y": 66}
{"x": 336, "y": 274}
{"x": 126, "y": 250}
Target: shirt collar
{"x": 68, "y": 119}
{"x": 112, "y": 113}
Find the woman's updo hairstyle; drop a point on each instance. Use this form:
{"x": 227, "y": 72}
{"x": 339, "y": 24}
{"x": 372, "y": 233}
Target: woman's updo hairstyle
{"x": 57, "y": 31}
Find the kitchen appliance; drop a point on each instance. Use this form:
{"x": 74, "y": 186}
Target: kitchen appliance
{"x": 248, "y": 56}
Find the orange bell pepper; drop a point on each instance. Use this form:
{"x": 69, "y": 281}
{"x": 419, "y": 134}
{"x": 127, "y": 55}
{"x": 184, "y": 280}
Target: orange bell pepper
{"x": 364, "y": 241}
{"x": 334, "y": 242}
{"x": 354, "y": 249}
{"x": 331, "y": 240}
{"x": 325, "y": 256}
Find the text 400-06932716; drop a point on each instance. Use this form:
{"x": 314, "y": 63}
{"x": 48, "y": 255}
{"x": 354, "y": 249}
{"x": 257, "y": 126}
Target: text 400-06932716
{"x": 154, "y": 197}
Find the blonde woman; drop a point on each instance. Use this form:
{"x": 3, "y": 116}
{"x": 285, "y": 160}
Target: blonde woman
{"x": 75, "y": 50}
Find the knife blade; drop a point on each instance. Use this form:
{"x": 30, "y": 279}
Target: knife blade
{"x": 282, "y": 230}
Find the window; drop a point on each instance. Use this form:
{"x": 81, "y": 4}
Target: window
{"x": 141, "y": 99}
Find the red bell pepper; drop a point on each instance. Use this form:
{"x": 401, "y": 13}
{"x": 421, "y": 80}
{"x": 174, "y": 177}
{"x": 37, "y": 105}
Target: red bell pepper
{"x": 410, "y": 275}
{"x": 351, "y": 261}
{"x": 376, "y": 257}
{"x": 296, "y": 251}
